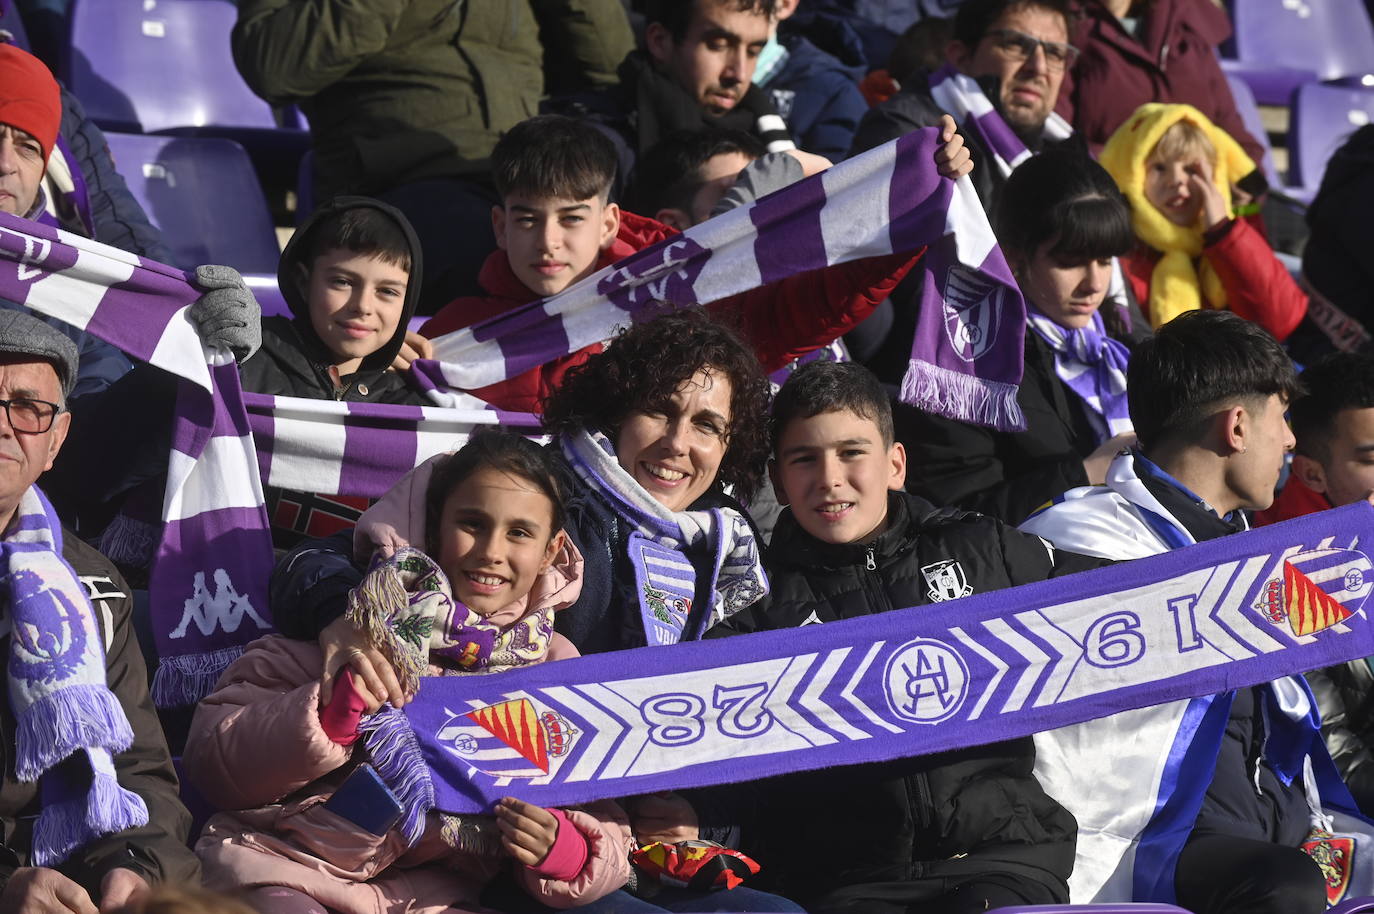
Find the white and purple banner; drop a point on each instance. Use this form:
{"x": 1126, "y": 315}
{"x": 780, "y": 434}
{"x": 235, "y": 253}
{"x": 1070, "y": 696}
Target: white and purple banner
{"x": 208, "y": 581}
{"x": 1207, "y": 619}
{"x": 966, "y": 356}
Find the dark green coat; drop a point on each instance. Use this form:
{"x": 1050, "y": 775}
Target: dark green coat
{"x": 402, "y": 90}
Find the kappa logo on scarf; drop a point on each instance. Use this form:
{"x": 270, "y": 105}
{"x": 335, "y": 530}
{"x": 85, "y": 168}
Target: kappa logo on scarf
{"x": 927, "y": 681}
{"x": 225, "y": 608}
{"x": 666, "y": 271}
{"x": 512, "y": 739}
{"x": 1315, "y": 590}
{"x": 945, "y": 581}
{"x": 1335, "y": 856}
{"x": 973, "y": 312}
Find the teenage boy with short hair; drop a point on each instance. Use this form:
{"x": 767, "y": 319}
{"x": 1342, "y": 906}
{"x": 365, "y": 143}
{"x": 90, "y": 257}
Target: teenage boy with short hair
{"x": 556, "y": 226}
{"x": 1207, "y": 397}
{"x": 960, "y": 831}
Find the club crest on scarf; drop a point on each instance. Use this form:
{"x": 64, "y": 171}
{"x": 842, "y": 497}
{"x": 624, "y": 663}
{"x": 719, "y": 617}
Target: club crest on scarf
{"x": 1315, "y": 590}
{"x": 511, "y": 739}
{"x": 666, "y": 271}
{"x": 666, "y": 583}
{"x": 973, "y": 312}
{"x": 53, "y": 650}
{"x": 1335, "y": 855}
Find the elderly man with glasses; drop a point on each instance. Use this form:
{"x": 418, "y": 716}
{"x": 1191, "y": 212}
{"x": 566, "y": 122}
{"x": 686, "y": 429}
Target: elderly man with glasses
{"x": 89, "y": 813}
{"x": 1015, "y": 53}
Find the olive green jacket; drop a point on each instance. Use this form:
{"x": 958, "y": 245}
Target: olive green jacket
{"x": 402, "y": 90}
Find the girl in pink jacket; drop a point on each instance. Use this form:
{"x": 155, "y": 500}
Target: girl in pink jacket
{"x": 495, "y": 569}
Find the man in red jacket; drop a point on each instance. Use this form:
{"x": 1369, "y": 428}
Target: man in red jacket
{"x": 555, "y": 226}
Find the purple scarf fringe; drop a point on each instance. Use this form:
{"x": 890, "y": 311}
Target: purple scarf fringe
{"x": 58, "y": 724}
{"x": 962, "y": 397}
{"x": 185, "y": 679}
{"x": 400, "y": 764}
{"x": 71, "y": 819}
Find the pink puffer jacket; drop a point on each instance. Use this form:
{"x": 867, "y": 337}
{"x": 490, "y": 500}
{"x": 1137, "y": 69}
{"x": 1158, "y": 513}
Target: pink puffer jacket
{"x": 256, "y": 746}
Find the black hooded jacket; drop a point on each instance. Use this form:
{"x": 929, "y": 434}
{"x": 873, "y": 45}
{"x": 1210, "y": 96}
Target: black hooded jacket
{"x": 911, "y": 830}
{"x": 293, "y": 362}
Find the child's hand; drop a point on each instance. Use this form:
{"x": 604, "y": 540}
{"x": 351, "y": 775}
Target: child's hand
{"x": 952, "y": 160}
{"x": 665, "y": 817}
{"x": 527, "y": 831}
{"x": 413, "y": 347}
{"x": 1213, "y": 211}
{"x": 373, "y": 678}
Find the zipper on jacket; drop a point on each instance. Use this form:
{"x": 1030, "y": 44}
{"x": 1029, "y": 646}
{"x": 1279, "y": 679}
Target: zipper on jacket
{"x": 870, "y": 562}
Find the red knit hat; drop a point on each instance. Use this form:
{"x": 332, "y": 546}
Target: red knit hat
{"x": 29, "y": 97}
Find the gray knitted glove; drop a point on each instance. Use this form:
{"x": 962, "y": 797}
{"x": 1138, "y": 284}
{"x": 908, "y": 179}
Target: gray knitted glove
{"x": 227, "y": 313}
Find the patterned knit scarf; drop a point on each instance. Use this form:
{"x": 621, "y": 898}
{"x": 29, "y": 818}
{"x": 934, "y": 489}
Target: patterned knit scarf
{"x": 406, "y": 607}
{"x": 1093, "y": 366}
{"x": 966, "y": 102}
{"x": 665, "y": 579}
{"x": 58, "y": 691}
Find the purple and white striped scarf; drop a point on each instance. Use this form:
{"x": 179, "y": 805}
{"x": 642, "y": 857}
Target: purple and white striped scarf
{"x": 965, "y": 101}
{"x": 209, "y": 575}
{"x": 1093, "y": 366}
{"x": 966, "y": 355}
{"x": 666, "y": 579}
{"x": 57, "y": 690}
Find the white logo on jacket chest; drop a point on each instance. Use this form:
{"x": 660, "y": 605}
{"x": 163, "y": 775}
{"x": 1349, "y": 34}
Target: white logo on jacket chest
{"x": 945, "y": 581}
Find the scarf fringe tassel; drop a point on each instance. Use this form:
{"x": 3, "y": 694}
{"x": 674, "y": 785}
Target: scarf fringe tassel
{"x": 962, "y": 397}
{"x": 64, "y": 826}
{"x": 185, "y": 679}
{"x": 400, "y": 764}
{"x": 65, "y": 721}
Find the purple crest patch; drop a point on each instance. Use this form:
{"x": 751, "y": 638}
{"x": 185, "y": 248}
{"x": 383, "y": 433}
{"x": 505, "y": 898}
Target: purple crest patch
{"x": 666, "y": 271}
{"x": 973, "y": 312}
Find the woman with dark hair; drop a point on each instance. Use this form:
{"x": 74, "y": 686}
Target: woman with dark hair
{"x": 647, "y": 434}
{"x": 1060, "y": 221}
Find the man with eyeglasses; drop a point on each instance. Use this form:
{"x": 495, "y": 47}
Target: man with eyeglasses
{"x": 1017, "y": 51}
{"x": 89, "y": 811}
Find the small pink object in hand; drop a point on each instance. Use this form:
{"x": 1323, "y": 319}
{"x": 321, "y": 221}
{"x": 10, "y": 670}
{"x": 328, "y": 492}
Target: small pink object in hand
{"x": 339, "y": 719}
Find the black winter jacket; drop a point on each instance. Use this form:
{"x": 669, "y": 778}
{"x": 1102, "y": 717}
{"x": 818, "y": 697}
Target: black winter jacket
{"x": 1006, "y": 474}
{"x": 911, "y": 830}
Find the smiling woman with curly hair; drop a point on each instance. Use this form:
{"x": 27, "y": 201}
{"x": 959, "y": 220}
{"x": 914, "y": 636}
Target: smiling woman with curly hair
{"x": 653, "y": 364}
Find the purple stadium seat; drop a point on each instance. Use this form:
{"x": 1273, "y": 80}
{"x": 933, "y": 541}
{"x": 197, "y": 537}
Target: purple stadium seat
{"x": 1119, "y": 908}
{"x": 1279, "y": 45}
{"x": 1323, "y": 118}
{"x": 155, "y": 65}
{"x": 204, "y": 195}
{"x": 1353, "y": 906}
{"x": 1250, "y": 116}
{"x": 12, "y": 23}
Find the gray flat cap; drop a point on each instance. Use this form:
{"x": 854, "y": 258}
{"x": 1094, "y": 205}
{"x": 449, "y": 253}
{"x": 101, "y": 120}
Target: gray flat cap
{"x": 24, "y": 334}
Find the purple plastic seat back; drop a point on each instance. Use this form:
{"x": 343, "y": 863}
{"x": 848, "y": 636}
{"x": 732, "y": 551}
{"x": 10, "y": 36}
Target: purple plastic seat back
{"x": 1323, "y": 118}
{"x": 151, "y": 65}
{"x": 1118, "y": 908}
{"x": 1353, "y": 906}
{"x": 12, "y": 23}
{"x": 1250, "y": 116}
{"x": 203, "y": 194}
{"x": 1280, "y": 44}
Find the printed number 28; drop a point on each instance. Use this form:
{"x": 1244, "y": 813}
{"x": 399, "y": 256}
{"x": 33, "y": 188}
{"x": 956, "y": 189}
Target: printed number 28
{"x": 677, "y": 718}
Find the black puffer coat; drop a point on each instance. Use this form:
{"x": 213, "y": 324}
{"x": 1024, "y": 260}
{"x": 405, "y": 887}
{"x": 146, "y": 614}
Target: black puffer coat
{"x": 911, "y": 830}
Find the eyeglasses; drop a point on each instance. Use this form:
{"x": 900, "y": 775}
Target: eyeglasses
{"x": 32, "y": 417}
{"x": 1019, "y": 46}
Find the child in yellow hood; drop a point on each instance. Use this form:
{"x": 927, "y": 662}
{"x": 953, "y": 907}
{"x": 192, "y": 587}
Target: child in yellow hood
{"x": 1177, "y": 168}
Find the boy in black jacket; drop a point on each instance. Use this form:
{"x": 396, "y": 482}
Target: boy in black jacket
{"x": 965, "y": 830}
